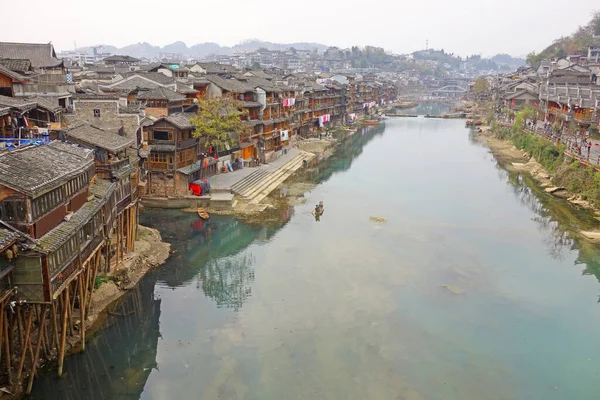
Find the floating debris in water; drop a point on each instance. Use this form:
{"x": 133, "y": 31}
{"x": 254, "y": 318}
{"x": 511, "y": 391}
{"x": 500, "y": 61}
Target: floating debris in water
{"x": 378, "y": 219}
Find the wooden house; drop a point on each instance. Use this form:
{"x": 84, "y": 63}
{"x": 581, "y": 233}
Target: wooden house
{"x": 44, "y": 193}
{"x": 171, "y": 147}
{"x": 161, "y": 102}
{"x": 113, "y": 168}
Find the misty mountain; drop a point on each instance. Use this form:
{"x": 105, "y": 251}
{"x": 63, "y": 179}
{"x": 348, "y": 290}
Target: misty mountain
{"x": 201, "y": 50}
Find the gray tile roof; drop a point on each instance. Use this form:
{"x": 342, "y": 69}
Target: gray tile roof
{"x": 4, "y": 110}
{"x": 131, "y": 83}
{"x": 102, "y": 188}
{"x": 72, "y": 149}
{"x": 216, "y": 68}
{"x": 183, "y": 88}
{"x": 161, "y": 148}
{"x": 17, "y": 65}
{"x": 230, "y": 85}
{"x": 160, "y": 93}
{"x": 61, "y": 233}
{"x": 94, "y": 136}
{"x": 95, "y": 96}
{"x": 11, "y": 74}
{"x": 181, "y": 121}
{"x": 153, "y": 76}
{"x": 17, "y": 103}
{"x": 117, "y": 58}
{"x": 37, "y": 170}
{"x": 40, "y": 55}
{"x": 7, "y": 238}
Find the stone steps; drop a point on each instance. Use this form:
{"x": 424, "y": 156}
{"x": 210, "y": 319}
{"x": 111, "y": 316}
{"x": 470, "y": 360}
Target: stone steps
{"x": 242, "y": 187}
{"x": 255, "y": 189}
{"x": 278, "y": 177}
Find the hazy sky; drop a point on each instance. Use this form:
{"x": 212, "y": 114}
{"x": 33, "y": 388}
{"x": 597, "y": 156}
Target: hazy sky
{"x": 460, "y": 26}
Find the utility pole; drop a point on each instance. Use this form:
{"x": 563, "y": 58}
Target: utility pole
{"x": 426, "y": 44}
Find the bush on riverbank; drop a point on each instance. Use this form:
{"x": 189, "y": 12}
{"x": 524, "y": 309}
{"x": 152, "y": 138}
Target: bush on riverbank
{"x": 545, "y": 152}
{"x": 581, "y": 179}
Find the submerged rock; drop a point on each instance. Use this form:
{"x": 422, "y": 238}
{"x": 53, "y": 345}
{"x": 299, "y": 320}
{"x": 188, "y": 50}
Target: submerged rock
{"x": 452, "y": 289}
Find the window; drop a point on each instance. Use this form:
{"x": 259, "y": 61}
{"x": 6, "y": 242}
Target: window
{"x": 161, "y": 135}
{"x": 158, "y": 157}
{"x": 97, "y": 112}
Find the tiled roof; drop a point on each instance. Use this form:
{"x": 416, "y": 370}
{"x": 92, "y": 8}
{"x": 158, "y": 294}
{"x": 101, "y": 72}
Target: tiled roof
{"x": 131, "y": 83}
{"x": 93, "y": 136}
{"x": 161, "y": 148}
{"x": 102, "y": 188}
{"x": 183, "y": 88}
{"x": 11, "y": 74}
{"x": 181, "y": 121}
{"x": 7, "y": 238}
{"x": 216, "y": 68}
{"x": 36, "y": 170}
{"x": 4, "y": 110}
{"x": 95, "y": 96}
{"x": 72, "y": 149}
{"x": 17, "y": 65}
{"x": 117, "y": 58}
{"x": 17, "y": 103}
{"x": 40, "y": 55}
{"x": 153, "y": 76}
{"x": 61, "y": 233}
{"x": 160, "y": 93}
{"x": 231, "y": 85}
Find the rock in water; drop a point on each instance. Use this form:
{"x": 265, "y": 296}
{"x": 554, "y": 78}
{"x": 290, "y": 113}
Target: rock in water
{"x": 378, "y": 219}
{"x": 453, "y": 289}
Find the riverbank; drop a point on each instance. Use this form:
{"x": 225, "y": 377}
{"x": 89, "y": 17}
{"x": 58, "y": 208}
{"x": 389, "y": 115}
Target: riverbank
{"x": 515, "y": 160}
{"x": 151, "y": 252}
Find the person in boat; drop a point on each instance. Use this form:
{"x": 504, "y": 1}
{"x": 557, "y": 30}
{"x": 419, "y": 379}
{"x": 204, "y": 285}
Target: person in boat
{"x": 321, "y": 207}
{"x": 317, "y": 213}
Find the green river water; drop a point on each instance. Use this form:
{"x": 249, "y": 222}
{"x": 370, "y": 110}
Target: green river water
{"x": 473, "y": 289}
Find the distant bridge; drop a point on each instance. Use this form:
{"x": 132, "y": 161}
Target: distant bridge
{"x": 452, "y": 91}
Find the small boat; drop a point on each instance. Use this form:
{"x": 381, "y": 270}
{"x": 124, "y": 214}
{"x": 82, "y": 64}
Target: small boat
{"x": 202, "y": 213}
{"x": 373, "y": 122}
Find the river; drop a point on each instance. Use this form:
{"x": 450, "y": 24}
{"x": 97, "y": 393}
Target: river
{"x": 472, "y": 289}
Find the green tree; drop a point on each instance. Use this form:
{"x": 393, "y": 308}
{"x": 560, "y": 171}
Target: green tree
{"x": 255, "y": 65}
{"x": 481, "y": 86}
{"x": 218, "y": 121}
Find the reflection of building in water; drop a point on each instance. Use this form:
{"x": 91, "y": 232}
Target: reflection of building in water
{"x": 129, "y": 344}
{"x": 209, "y": 250}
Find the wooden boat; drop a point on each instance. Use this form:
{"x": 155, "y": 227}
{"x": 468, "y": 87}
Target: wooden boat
{"x": 373, "y": 122}
{"x": 402, "y": 115}
{"x": 202, "y": 213}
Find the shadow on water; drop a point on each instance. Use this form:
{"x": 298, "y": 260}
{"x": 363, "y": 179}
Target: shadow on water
{"x": 120, "y": 357}
{"x": 118, "y": 361}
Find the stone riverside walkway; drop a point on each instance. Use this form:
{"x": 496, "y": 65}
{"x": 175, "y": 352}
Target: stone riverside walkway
{"x": 223, "y": 182}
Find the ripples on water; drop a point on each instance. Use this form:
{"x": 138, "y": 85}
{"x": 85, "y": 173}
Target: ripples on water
{"x": 473, "y": 289}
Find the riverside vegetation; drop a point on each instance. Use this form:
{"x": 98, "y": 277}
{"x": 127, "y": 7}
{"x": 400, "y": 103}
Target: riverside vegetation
{"x": 567, "y": 172}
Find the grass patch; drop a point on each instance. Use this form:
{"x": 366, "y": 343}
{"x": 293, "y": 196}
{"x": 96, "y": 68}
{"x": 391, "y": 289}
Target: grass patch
{"x": 100, "y": 279}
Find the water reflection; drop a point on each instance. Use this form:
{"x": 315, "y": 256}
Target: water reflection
{"x": 557, "y": 220}
{"x": 117, "y": 362}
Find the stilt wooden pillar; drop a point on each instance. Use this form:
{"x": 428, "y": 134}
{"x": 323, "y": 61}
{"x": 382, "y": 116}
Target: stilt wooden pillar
{"x": 38, "y": 345}
{"x": 63, "y": 337}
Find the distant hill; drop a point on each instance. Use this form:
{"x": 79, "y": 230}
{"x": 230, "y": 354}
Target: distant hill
{"x": 201, "y": 50}
{"x": 574, "y": 44}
